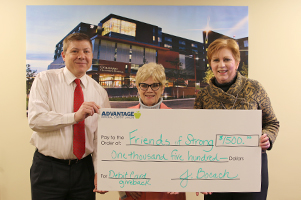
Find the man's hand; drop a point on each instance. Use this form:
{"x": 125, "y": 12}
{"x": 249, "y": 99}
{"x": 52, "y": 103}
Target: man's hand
{"x": 95, "y": 184}
{"x": 86, "y": 109}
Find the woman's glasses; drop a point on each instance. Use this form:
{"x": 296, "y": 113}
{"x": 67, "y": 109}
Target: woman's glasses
{"x": 154, "y": 86}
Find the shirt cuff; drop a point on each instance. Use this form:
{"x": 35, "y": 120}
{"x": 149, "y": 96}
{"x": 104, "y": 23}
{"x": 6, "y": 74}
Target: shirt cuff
{"x": 69, "y": 119}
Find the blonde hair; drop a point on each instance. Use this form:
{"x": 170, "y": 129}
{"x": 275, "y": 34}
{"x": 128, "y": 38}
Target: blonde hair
{"x": 221, "y": 43}
{"x": 154, "y": 70}
{"x": 75, "y": 37}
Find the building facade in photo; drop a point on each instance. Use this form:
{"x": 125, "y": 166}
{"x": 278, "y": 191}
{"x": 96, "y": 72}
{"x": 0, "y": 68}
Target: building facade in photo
{"x": 122, "y": 45}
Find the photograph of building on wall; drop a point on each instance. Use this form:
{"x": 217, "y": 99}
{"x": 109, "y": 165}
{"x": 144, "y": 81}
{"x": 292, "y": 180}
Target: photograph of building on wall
{"x": 121, "y": 45}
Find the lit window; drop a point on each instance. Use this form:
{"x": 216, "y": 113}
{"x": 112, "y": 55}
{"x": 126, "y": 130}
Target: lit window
{"x": 168, "y": 46}
{"x": 134, "y": 67}
{"x": 246, "y": 43}
{"x": 128, "y": 28}
{"x": 119, "y": 26}
{"x": 194, "y": 45}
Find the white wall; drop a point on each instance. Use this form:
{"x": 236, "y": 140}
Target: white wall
{"x": 274, "y": 60}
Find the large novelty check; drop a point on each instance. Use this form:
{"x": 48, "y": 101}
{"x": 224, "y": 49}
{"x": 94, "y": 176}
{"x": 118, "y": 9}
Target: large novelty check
{"x": 179, "y": 150}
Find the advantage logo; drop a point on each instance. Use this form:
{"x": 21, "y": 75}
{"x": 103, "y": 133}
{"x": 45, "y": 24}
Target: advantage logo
{"x": 121, "y": 115}
{"x": 137, "y": 114}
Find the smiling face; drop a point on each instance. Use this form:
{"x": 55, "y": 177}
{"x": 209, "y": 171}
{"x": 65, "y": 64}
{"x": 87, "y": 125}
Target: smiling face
{"x": 150, "y": 97}
{"x": 224, "y": 66}
{"x": 78, "y": 57}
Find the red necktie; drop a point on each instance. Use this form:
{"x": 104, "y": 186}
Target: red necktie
{"x": 78, "y": 128}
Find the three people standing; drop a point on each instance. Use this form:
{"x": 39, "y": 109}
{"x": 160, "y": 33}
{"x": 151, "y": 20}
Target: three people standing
{"x": 63, "y": 103}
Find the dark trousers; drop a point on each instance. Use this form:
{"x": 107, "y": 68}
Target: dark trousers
{"x": 247, "y": 195}
{"x": 56, "y": 179}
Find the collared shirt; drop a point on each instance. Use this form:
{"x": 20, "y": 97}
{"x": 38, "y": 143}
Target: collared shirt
{"x": 51, "y": 116}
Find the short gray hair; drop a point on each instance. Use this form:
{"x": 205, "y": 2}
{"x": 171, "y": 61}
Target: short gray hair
{"x": 154, "y": 70}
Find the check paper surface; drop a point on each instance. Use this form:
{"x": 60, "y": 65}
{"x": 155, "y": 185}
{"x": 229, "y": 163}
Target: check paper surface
{"x": 179, "y": 150}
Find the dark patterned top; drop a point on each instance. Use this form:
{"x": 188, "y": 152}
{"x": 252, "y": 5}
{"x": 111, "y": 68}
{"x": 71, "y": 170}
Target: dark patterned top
{"x": 244, "y": 94}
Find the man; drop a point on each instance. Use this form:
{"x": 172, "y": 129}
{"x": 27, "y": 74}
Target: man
{"x": 62, "y": 113}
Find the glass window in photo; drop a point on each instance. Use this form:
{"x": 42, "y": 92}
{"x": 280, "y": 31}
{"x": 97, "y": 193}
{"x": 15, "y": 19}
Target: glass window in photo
{"x": 182, "y": 42}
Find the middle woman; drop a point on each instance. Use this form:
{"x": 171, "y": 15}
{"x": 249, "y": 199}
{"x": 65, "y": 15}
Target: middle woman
{"x": 150, "y": 82}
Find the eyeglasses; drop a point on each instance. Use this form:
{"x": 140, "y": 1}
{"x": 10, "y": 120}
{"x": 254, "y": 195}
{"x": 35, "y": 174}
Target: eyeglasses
{"x": 154, "y": 86}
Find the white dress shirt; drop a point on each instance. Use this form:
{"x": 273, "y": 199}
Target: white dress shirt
{"x": 51, "y": 116}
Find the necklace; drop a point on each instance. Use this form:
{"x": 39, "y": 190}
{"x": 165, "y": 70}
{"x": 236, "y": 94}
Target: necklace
{"x": 233, "y": 104}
